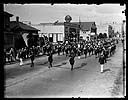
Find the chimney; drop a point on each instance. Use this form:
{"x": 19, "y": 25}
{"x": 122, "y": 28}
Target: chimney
{"x": 17, "y": 19}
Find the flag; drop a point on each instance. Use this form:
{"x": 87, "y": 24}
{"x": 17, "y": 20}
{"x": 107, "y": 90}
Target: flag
{"x": 79, "y": 23}
{"x": 56, "y": 22}
{"x": 25, "y": 38}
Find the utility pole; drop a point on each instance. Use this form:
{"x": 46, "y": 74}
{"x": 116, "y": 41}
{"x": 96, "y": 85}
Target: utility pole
{"x": 124, "y": 72}
{"x": 124, "y": 85}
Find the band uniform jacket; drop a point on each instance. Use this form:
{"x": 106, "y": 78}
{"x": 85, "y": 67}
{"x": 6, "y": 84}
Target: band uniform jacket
{"x": 71, "y": 60}
{"x": 101, "y": 59}
{"x": 50, "y": 58}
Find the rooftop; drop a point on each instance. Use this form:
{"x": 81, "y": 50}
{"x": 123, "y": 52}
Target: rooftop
{"x": 7, "y": 14}
{"x": 14, "y": 25}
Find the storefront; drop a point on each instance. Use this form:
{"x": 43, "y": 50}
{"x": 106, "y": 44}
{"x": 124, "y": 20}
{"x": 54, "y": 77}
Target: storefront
{"x": 71, "y": 30}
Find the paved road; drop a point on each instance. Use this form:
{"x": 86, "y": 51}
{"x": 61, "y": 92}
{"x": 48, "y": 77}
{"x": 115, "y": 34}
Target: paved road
{"x": 84, "y": 81}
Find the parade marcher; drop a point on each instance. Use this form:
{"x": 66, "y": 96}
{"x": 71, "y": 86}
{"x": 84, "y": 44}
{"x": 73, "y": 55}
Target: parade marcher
{"x": 89, "y": 50}
{"x": 32, "y": 56}
{"x": 101, "y": 61}
{"x": 85, "y": 52}
{"x": 71, "y": 60}
{"x": 12, "y": 54}
{"x": 96, "y": 51}
{"x": 105, "y": 54}
{"x": 66, "y": 51}
{"x": 50, "y": 59}
{"x": 20, "y": 56}
{"x": 59, "y": 49}
{"x": 78, "y": 52}
{"x": 63, "y": 49}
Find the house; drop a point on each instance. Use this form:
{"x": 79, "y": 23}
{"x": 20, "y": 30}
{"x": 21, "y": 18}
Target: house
{"x": 21, "y": 32}
{"x": 54, "y": 32}
{"x": 87, "y": 29}
{"x": 110, "y": 31}
{"x": 15, "y": 32}
{"x": 8, "y": 34}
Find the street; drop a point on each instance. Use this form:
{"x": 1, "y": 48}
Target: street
{"x": 59, "y": 81}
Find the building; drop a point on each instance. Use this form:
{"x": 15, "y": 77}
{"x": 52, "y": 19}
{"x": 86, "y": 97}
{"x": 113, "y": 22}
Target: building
{"x": 110, "y": 31}
{"x": 60, "y": 31}
{"x": 22, "y": 31}
{"x": 8, "y": 34}
{"x": 71, "y": 30}
{"x": 15, "y": 32}
{"x": 54, "y": 32}
{"x": 102, "y": 28}
{"x": 88, "y": 30}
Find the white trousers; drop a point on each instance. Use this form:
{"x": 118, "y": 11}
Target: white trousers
{"x": 21, "y": 61}
{"x": 102, "y": 67}
{"x": 78, "y": 57}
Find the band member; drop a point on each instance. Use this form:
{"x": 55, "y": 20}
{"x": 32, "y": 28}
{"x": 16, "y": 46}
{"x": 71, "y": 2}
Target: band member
{"x": 32, "y": 56}
{"x": 96, "y": 52}
{"x": 78, "y": 51}
{"x": 101, "y": 61}
{"x": 66, "y": 51}
{"x": 50, "y": 59}
{"x": 59, "y": 49}
{"x": 89, "y": 50}
{"x": 105, "y": 53}
{"x": 85, "y": 52}
{"x": 21, "y": 56}
{"x": 71, "y": 60}
{"x": 63, "y": 49}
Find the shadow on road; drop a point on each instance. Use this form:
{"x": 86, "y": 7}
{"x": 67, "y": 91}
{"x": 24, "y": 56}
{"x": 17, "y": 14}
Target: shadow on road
{"x": 82, "y": 65}
{"x": 59, "y": 65}
{"x": 105, "y": 70}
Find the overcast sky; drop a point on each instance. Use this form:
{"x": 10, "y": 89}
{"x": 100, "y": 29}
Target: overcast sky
{"x": 39, "y": 13}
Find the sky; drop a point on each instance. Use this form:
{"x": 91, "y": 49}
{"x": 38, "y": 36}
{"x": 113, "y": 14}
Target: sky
{"x": 41, "y": 13}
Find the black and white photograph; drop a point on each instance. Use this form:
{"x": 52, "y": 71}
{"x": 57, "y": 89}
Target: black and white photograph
{"x": 64, "y": 50}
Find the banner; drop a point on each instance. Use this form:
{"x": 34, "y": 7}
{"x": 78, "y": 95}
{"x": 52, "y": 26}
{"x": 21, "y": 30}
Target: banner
{"x": 25, "y": 38}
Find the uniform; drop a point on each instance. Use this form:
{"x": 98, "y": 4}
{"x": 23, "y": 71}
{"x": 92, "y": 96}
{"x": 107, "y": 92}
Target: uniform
{"x": 72, "y": 61}
{"x": 50, "y": 59}
{"x": 101, "y": 61}
{"x": 85, "y": 52}
{"x": 21, "y": 57}
{"x": 32, "y": 56}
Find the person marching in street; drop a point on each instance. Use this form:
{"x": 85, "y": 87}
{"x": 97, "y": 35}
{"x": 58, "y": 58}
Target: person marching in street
{"x": 50, "y": 59}
{"x": 101, "y": 61}
{"x": 32, "y": 56}
{"x": 89, "y": 50}
{"x": 105, "y": 54}
{"x": 85, "y": 52}
{"x": 63, "y": 49}
{"x": 21, "y": 56}
{"x": 59, "y": 49}
{"x": 71, "y": 60}
{"x": 66, "y": 50}
{"x": 78, "y": 52}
